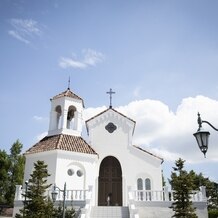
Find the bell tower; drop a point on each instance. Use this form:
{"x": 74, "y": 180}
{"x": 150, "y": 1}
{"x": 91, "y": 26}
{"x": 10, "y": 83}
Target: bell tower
{"x": 66, "y": 114}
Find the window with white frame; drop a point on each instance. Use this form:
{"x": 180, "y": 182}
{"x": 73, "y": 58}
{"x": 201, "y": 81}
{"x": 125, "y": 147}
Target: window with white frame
{"x": 144, "y": 189}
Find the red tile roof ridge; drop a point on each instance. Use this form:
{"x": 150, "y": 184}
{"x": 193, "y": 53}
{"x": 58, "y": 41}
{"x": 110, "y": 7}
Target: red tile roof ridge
{"x": 68, "y": 93}
{"x": 62, "y": 142}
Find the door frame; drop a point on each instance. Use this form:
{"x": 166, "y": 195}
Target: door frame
{"x": 111, "y": 180}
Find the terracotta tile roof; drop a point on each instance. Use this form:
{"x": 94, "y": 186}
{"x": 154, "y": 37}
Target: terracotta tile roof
{"x": 62, "y": 142}
{"x": 141, "y": 149}
{"x": 68, "y": 93}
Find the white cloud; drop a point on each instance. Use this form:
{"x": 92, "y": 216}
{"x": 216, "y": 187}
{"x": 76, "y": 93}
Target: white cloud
{"x": 16, "y": 35}
{"x": 24, "y": 29}
{"x": 39, "y": 118}
{"x": 68, "y": 62}
{"x": 170, "y": 134}
{"x": 90, "y": 58}
{"x": 91, "y": 112}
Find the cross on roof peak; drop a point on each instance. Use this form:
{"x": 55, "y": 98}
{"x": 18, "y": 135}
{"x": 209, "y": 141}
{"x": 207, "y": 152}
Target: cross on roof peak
{"x": 110, "y": 93}
{"x": 69, "y": 83}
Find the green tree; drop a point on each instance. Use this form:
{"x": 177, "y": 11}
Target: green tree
{"x": 213, "y": 197}
{"x": 211, "y": 189}
{"x": 212, "y": 193}
{"x": 15, "y": 171}
{"x": 11, "y": 172}
{"x": 69, "y": 212}
{"x": 4, "y": 167}
{"x": 37, "y": 204}
{"x": 182, "y": 184}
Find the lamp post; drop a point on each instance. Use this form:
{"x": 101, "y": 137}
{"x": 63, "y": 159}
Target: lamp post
{"x": 25, "y": 201}
{"x": 54, "y": 194}
{"x": 202, "y": 136}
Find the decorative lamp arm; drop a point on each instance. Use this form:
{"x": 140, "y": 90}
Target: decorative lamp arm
{"x": 56, "y": 187}
{"x": 204, "y": 121}
{"x": 200, "y": 121}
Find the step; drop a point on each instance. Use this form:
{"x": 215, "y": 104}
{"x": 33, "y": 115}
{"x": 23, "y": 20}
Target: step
{"x": 109, "y": 212}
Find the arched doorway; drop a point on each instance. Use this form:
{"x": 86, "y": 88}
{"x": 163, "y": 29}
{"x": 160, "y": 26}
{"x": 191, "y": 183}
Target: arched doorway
{"x": 110, "y": 182}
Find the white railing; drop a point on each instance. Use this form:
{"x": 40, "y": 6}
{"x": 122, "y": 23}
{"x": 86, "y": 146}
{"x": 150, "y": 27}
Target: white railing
{"x": 133, "y": 212}
{"x": 72, "y": 195}
{"x": 165, "y": 195}
{"x": 87, "y": 210}
{"x": 143, "y": 195}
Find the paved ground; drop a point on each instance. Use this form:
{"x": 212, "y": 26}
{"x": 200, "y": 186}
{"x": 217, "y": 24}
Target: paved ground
{"x": 5, "y": 216}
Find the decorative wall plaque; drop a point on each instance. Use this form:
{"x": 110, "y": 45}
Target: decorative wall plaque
{"x": 110, "y": 127}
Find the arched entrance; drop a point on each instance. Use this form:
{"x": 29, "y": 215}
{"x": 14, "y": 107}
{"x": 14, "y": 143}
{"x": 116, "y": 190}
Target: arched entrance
{"x": 110, "y": 182}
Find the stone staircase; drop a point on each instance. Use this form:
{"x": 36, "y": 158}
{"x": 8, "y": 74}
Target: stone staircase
{"x": 109, "y": 212}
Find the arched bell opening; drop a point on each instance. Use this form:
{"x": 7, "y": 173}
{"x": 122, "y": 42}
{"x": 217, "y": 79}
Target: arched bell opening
{"x": 58, "y": 116}
{"x": 71, "y": 117}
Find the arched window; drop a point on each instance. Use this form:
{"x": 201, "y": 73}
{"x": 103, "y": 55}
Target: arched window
{"x": 70, "y": 117}
{"x": 147, "y": 184}
{"x": 139, "y": 184}
{"x": 140, "y": 188}
{"x": 58, "y": 116}
{"x": 148, "y": 188}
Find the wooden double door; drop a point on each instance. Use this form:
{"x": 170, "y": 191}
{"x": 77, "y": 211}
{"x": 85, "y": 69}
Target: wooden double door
{"x": 110, "y": 182}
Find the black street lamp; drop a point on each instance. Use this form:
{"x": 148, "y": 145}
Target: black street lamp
{"x": 25, "y": 200}
{"x": 54, "y": 195}
{"x": 202, "y": 136}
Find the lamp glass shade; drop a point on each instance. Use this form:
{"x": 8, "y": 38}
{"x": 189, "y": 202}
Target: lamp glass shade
{"x": 54, "y": 195}
{"x": 202, "y": 140}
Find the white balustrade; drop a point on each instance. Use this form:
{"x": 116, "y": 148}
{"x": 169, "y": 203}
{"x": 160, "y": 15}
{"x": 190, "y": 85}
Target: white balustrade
{"x": 71, "y": 195}
{"x": 165, "y": 195}
{"x": 75, "y": 195}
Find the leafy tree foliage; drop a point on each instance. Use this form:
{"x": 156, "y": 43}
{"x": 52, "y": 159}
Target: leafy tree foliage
{"x": 211, "y": 188}
{"x": 16, "y": 170}
{"x": 213, "y": 197}
{"x": 11, "y": 172}
{"x": 182, "y": 183}
{"x": 5, "y": 164}
{"x": 36, "y": 204}
{"x": 69, "y": 213}
{"x": 211, "y": 192}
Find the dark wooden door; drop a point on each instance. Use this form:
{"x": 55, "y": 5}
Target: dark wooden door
{"x": 110, "y": 182}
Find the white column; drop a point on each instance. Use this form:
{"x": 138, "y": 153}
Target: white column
{"x": 18, "y": 193}
{"x": 64, "y": 119}
{"x": 203, "y": 191}
{"x": 166, "y": 193}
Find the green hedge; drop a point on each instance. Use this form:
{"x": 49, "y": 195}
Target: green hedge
{"x": 213, "y": 213}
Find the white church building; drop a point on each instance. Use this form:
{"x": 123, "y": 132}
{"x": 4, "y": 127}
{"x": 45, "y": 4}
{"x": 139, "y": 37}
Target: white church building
{"x": 106, "y": 174}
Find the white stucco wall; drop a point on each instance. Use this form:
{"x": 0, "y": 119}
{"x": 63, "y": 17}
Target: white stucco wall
{"x": 48, "y": 157}
{"x": 77, "y": 162}
{"x": 134, "y": 162}
{"x": 59, "y": 162}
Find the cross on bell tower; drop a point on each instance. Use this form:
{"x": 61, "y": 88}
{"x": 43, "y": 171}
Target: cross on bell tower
{"x": 110, "y": 93}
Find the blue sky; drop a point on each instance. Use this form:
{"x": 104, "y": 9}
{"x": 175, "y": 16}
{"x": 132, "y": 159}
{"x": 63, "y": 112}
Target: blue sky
{"x": 161, "y": 58}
